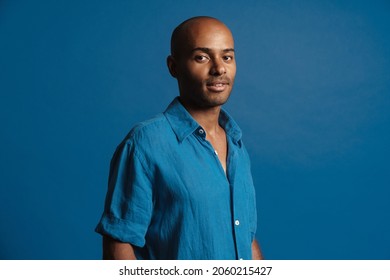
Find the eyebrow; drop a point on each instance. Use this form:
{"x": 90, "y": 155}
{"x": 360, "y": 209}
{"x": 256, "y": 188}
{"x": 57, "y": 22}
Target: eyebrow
{"x": 208, "y": 50}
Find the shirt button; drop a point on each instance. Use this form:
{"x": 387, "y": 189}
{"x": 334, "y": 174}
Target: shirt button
{"x": 201, "y": 131}
{"x": 237, "y": 222}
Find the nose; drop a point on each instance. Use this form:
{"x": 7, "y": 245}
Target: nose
{"x": 218, "y": 68}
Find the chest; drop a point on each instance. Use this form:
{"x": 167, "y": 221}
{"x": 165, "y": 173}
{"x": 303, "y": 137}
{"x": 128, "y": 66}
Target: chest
{"x": 220, "y": 149}
{"x": 194, "y": 170}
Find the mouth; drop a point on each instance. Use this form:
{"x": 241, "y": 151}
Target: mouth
{"x": 217, "y": 86}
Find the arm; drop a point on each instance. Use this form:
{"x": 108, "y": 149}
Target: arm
{"x": 256, "y": 252}
{"x": 116, "y": 250}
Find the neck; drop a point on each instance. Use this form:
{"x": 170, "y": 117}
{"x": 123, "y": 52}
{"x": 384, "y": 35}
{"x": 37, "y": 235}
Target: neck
{"x": 208, "y": 118}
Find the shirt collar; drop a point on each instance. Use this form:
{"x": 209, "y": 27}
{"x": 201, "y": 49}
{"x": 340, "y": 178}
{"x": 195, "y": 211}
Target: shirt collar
{"x": 183, "y": 124}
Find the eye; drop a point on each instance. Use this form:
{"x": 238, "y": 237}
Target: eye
{"x": 228, "y": 58}
{"x": 201, "y": 58}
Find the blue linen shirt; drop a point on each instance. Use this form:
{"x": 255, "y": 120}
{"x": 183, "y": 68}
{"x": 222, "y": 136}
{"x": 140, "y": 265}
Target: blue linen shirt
{"x": 169, "y": 196}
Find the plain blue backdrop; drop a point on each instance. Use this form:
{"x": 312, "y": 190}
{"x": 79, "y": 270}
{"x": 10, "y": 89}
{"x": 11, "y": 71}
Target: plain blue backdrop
{"x": 312, "y": 96}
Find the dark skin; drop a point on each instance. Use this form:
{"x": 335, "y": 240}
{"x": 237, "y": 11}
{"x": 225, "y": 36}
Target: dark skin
{"x": 203, "y": 62}
{"x": 205, "y": 68}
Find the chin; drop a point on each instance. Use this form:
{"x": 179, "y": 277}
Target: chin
{"x": 214, "y": 101}
{"x": 204, "y": 99}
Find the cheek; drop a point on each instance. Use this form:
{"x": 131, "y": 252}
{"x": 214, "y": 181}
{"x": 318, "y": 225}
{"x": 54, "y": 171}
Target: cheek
{"x": 232, "y": 70}
{"x": 196, "y": 73}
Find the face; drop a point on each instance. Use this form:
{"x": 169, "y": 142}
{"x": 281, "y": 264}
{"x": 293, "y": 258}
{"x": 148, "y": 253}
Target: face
{"x": 205, "y": 65}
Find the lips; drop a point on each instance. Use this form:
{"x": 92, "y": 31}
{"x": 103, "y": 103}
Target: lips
{"x": 217, "y": 86}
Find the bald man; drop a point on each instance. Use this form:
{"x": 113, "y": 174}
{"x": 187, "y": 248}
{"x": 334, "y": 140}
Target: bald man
{"x": 180, "y": 185}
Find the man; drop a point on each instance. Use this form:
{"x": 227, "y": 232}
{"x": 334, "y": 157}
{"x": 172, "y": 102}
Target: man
{"x": 180, "y": 185}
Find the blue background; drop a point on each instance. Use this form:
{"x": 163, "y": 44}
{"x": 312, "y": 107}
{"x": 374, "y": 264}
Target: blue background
{"x": 311, "y": 95}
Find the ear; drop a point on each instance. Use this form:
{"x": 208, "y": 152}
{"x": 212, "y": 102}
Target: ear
{"x": 172, "y": 66}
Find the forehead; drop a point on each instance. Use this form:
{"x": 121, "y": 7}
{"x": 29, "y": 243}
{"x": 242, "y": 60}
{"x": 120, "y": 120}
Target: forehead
{"x": 207, "y": 33}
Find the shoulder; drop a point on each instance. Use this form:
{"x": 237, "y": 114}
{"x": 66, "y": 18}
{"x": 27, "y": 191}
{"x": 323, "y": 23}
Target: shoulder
{"x": 149, "y": 132}
{"x": 149, "y": 126}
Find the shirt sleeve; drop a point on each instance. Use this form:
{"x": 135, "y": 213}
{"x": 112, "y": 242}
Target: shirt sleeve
{"x": 128, "y": 206}
{"x": 252, "y": 201}
{"x": 254, "y": 221}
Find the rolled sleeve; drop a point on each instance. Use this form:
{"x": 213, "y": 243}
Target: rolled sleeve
{"x": 128, "y": 205}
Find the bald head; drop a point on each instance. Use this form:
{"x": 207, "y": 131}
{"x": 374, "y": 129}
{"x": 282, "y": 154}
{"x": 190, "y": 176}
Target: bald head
{"x": 184, "y": 33}
{"x": 203, "y": 62}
